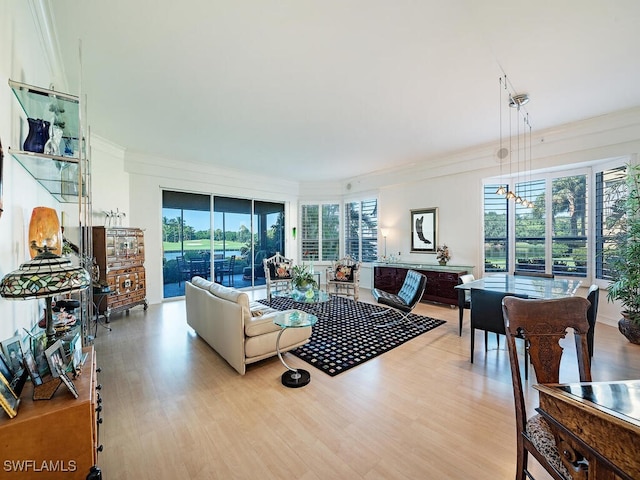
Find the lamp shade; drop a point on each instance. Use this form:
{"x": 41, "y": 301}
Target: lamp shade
{"x": 44, "y": 230}
{"x": 44, "y": 276}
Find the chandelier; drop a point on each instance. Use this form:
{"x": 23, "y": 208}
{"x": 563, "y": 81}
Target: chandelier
{"x": 514, "y": 120}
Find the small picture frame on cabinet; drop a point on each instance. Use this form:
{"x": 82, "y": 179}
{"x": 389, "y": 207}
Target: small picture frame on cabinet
{"x": 56, "y": 358}
{"x": 32, "y": 368}
{"x": 8, "y": 399}
{"x": 67, "y": 381}
{"x": 12, "y": 349}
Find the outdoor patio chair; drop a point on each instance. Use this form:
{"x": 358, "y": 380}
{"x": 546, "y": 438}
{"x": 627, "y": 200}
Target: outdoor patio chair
{"x": 184, "y": 270}
{"x": 542, "y": 324}
{"x": 227, "y": 269}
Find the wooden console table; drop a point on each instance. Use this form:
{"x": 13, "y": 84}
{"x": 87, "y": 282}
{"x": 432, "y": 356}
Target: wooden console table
{"x": 441, "y": 280}
{"x": 57, "y": 438}
{"x": 598, "y": 422}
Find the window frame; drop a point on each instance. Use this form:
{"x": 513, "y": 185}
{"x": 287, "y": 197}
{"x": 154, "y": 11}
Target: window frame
{"x": 591, "y": 224}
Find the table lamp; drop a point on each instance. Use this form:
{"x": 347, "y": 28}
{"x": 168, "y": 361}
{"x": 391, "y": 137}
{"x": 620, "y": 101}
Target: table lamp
{"x": 44, "y": 229}
{"x": 46, "y": 276}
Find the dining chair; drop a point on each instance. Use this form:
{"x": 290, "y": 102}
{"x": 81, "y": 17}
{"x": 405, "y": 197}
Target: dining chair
{"x": 542, "y": 324}
{"x": 486, "y": 314}
{"x": 464, "y": 297}
{"x": 405, "y": 301}
{"x": 593, "y": 295}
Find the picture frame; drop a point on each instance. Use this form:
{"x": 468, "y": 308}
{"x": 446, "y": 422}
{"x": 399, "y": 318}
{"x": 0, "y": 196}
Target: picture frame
{"x": 32, "y": 368}
{"x": 56, "y": 358}
{"x": 424, "y": 230}
{"x": 38, "y": 347}
{"x": 8, "y": 400}
{"x": 12, "y": 349}
{"x": 68, "y": 383}
{"x": 4, "y": 367}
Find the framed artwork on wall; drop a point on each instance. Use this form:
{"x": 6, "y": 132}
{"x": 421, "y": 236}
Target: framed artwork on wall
{"x": 424, "y": 230}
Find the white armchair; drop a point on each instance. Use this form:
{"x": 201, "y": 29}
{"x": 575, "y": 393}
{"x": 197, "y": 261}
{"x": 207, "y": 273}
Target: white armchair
{"x": 277, "y": 273}
{"x": 343, "y": 277}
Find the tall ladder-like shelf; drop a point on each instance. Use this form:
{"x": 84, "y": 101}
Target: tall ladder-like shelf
{"x": 67, "y": 177}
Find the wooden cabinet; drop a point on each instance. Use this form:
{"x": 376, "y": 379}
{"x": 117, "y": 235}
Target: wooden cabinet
{"x": 440, "y": 281}
{"x": 57, "y": 438}
{"x": 119, "y": 253}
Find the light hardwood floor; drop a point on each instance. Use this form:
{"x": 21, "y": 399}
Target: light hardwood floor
{"x": 173, "y": 409}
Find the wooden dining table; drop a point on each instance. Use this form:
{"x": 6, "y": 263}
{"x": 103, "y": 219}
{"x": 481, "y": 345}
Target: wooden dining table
{"x": 597, "y": 427}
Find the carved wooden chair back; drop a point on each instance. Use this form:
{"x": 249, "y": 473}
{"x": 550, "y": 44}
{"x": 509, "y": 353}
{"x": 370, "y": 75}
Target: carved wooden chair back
{"x": 277, "y": 273}
{"x": 542, "y": 324}
{"x": 343, "y": 277}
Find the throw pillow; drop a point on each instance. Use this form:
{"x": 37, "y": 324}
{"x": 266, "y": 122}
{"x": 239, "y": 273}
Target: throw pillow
{"x": 282, "y": 271}
{"x": 344, "y": 273}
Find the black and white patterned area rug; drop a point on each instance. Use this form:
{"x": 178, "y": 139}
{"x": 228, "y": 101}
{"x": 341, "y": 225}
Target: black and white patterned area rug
{"x": 346, "y": 334}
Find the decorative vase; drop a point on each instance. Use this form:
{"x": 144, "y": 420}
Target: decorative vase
{"x": 38, "y": 135}
{"x": 442, "y": 262}
{"x": 629, "y": 328}
{"x": 52, "y": 147}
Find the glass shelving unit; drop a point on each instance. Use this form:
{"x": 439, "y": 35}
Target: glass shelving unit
{"x": 60, "y": 175}
{"x": 67, "y": 177}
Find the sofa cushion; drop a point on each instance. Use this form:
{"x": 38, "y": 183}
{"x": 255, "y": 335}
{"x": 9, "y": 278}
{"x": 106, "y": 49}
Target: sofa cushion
{"x": 260, "y": 325}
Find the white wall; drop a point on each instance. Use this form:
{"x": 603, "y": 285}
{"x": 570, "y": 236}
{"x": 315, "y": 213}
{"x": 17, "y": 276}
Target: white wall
{"x": 150, "y": 175}
{"x": 454, "y": 185}
{"x": 21, "y": 59}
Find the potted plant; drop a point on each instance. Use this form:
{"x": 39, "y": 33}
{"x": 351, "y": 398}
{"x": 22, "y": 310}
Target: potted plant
{"x": 623, "y": 258}
{"x": 442, "y": 254}
{"x": 302, "y": 278}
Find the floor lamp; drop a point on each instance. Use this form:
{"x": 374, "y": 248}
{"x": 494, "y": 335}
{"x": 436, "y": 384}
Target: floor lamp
{"x": 46, "y": 276}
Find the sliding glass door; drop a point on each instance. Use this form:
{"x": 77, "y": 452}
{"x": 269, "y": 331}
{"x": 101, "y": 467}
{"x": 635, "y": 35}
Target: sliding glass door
{"x": 186, "y": 239}
{"x": 246, "y": 232}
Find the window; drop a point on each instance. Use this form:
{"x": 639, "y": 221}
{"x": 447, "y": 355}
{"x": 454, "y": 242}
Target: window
{"x": 496, "y": 245}
{"x": 186, "y": 239}
{"x": 530, "y": 224}
{"x": 555, "y": 235}
{"x": 361, "y": 230}
{"x": 611, "y": 192}
{"x": 320, "y": 232}
{"x": 569, "y": 217}
{"x": 310, "y": 233}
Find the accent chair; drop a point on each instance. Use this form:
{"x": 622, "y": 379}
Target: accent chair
{"x": 407, "y": 298}
{"x": 277, "y": 273}
{"x": 542, "y": 324}
{"x": 343, "y": 277}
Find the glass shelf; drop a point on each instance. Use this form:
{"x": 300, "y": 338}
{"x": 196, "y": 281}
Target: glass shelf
{"x": 58, "y": 175}
{"x": 51, "y": 106}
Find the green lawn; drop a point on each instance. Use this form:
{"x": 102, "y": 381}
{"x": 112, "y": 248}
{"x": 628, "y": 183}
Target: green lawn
{"x": 204, "y": 244}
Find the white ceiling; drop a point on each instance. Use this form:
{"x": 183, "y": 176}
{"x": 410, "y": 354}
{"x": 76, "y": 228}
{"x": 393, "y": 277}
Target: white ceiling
{"x": 333, "y": 89}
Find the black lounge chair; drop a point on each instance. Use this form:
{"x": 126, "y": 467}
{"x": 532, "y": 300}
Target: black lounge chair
{"x": 407, "y": 298}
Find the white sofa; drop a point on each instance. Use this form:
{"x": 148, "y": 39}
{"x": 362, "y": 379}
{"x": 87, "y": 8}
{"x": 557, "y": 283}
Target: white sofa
{"x": 242, "y": 332}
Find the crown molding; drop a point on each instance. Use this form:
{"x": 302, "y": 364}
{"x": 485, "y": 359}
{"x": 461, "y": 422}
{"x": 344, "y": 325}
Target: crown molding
{"x": 43, "y": 20}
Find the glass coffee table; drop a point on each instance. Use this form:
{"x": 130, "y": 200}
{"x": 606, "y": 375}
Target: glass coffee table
{"x": 293, "y": 377}
{"x": 319, "y": 299}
